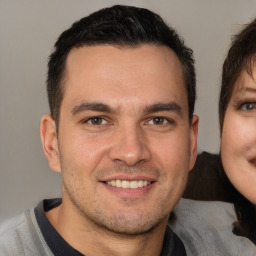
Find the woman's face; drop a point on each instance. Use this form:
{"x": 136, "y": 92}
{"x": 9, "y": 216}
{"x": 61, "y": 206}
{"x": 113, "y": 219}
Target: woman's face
{"x": 238, "y": 143}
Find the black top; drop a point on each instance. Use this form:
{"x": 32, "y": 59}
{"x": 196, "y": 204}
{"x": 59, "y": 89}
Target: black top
{"x": 172, "y": 245}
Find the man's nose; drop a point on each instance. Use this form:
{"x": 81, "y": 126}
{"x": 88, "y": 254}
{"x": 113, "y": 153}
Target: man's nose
{"x": 130, "y": 146}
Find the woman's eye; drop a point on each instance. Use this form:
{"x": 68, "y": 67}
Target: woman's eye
{"x": 248, "y": 106}
{"x": 96, "y": 120}
{"x": 158, "y": 121}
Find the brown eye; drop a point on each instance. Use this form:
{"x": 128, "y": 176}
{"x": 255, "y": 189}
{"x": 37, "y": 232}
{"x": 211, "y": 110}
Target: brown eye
{"x": 158, "y": 120}
{"x": 96, "y": 120}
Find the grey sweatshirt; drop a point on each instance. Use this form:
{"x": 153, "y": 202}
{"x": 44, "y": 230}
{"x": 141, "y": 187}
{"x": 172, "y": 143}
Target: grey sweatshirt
{"x": 206, "y": 229}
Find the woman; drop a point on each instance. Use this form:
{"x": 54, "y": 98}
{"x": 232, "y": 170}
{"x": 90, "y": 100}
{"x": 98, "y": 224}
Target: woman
{"x": 237, "y": 115}
{"x": 221, "y": 228}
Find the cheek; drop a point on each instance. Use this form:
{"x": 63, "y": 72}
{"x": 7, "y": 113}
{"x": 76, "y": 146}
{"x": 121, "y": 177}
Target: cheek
{"x": 82, "y": 151}
{"x": 237, "y": 144}
{"x": 230, "y": 137}
{"x": 238, "y": 135}
{"x": 238, "y": 147}
{"x": 173, "y": 156}
{"x": 232, "y": 143}
{"x": 170, "y": 149}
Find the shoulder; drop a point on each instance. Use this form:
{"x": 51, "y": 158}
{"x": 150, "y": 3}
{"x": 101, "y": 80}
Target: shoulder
{"x": 13, "y": 225}
{"x": 213, "y": 212}
{"x": 11, "y": 233}
{"x": 21, "y": 236}
{"x": 206, "y": 228}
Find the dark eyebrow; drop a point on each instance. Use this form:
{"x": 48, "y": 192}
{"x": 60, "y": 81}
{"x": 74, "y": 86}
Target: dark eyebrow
{"x": 101, "y": 107}
{"x": 158, "y": 107}
{"x": 92, "y": 106}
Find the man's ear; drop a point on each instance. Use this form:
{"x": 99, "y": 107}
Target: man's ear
{"x": 193, "y": 141}
{"x": 49, "y": 141}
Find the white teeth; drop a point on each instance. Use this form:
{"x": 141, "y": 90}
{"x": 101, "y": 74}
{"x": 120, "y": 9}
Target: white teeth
{"x": 118, "y": 183}
{"x": 125, "y": 184}
{"x": 128, "y": 184}
{"x": 140, "y": 183}
{"x": 134, "y": 184}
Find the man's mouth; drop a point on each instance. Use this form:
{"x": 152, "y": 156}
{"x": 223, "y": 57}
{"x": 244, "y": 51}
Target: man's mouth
{"x": 132, "y": 184}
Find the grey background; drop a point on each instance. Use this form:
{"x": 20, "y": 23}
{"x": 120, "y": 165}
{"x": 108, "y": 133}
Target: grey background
{"x": 28, "y": 30}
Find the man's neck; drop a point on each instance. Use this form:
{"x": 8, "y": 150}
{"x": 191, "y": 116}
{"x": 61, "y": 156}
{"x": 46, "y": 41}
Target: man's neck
{"x": 90, "y": 239}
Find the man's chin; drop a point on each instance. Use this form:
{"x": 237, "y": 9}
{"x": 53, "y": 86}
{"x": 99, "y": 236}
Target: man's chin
{"x": 131, "y": 225}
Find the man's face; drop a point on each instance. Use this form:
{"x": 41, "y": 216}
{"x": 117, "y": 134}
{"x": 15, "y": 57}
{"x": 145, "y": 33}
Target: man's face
{"x": 125, "y": 144}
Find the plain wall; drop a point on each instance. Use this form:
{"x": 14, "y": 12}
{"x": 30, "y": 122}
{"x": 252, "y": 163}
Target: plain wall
{"x": 28, "y": 30}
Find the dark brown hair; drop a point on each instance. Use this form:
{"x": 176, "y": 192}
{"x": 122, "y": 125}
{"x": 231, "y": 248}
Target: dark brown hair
{"x": 241, "y": 57}
{"x": 122, "y": 26}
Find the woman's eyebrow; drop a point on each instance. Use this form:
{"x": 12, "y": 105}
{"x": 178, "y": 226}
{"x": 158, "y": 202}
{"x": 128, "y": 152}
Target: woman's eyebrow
{"x": 243, "y": 89}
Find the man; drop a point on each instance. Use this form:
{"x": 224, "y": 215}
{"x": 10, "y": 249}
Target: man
{"x": 121, "y": 89}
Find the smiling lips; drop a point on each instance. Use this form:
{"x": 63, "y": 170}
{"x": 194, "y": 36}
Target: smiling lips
{"x": 128, "y": 184}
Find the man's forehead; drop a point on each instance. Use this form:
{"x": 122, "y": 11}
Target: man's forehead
{"x": 149, "y": 73}
{"x": 98, "y": 52}
{"x": 107, "y": 61}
